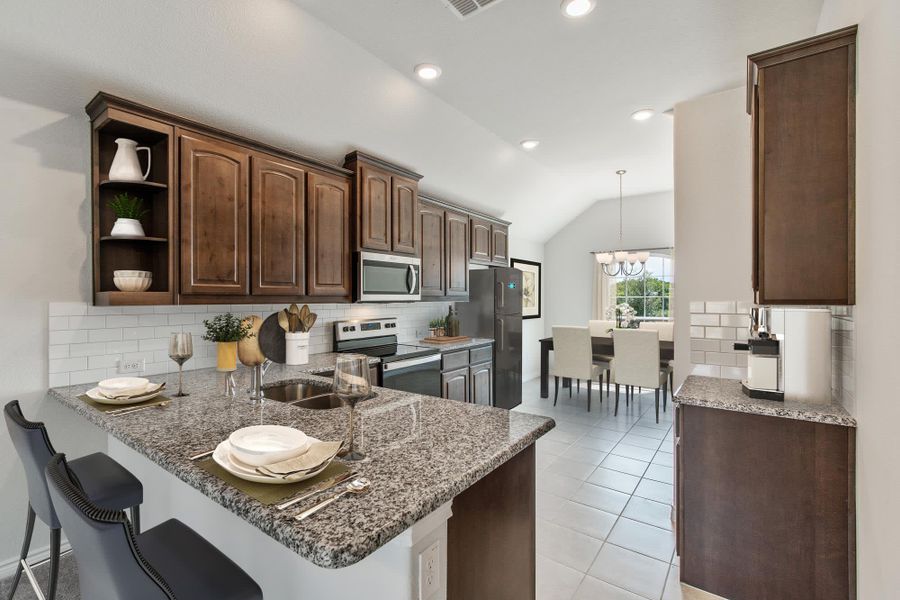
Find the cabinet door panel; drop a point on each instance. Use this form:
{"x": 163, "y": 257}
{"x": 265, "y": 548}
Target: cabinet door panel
{"x": 328, "y": 236}
{"x": 457, "y": 253}
{"x": 214, "y": 216}
{"x": 482, "y": 384}
{"x": 481, "y": 240}
{"x": 431, "y": 235}
{"x": 374, "y": 209}
{"x": 278, "y": 212}
{"x": 500, "y": 244}
{"x": 404, "y": 212}
{"x": 455, "y": 385}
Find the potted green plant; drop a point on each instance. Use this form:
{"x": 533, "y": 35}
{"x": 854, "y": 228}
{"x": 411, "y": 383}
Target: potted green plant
{"x": 226, "y": 331}
{"x": 129, "y": 211}
{"x": 437, "y": 327}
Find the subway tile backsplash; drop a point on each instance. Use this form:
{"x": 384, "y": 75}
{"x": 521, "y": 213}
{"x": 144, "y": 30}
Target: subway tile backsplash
{"x": 87, "y": 342}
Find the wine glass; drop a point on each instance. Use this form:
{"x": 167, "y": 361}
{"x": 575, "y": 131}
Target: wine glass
{"x": 351, "y": 384}
{"x": 181, "y": 349}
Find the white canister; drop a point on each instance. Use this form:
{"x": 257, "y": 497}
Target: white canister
{"x": 296, "y": 348}
{"x": 127, "y": 228}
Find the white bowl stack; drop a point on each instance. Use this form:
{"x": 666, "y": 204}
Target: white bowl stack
{"x": 133, "y": 281}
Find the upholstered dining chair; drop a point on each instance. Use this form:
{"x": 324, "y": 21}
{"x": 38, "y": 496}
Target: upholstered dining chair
{"x": 165, "y": 562}
{"x": 602, "y": 328}
{"x": 666, "y": 331}
{"x": 106, "y": 482}
{"x": 573, "y": 359}
{"x": 636, "y": 362}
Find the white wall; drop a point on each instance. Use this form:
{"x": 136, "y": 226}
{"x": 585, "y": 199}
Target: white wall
{"x": 532, "y": 329}
{"x": 569, "y": 266}
{"x": 877, "y": 286}
{"x": 713, "y": 220}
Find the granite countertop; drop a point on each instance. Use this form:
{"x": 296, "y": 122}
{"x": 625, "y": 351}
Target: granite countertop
{"x": 472, "y": 343}
{"x": 423, "y": 451}
{"x": 726, "y": 394}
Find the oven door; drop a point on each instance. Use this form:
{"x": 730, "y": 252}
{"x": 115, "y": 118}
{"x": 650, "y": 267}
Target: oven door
{"x": 420, "y": 375}
{"x": 387, "y": 278}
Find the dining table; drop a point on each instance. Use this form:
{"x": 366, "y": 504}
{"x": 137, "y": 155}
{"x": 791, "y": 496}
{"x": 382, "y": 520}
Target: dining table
{"x": 599, "y": 345}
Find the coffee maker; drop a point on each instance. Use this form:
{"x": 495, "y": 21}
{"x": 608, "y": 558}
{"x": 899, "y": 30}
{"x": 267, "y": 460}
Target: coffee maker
{"x": 764, "y": 362}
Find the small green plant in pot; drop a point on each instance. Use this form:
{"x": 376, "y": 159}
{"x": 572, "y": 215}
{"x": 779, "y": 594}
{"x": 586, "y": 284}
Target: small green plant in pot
{"x": 129, "y": 211}
{"x": 226, "y": 331}
{"x": 437, "y": 327}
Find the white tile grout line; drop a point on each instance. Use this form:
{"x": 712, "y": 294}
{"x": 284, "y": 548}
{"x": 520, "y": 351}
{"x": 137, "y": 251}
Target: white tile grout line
{"x": 640, "y": 417}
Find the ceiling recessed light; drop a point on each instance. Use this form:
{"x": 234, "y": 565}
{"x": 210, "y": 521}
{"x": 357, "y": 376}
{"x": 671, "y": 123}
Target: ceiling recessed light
{"x": 577, "y": 8}
{"x": 428, "y": 71}
{"x": 643, "y": 114}
{"x": 529, "y": 144}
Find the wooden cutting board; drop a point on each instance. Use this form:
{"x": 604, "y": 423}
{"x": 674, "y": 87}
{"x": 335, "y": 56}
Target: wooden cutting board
{"x": 447, "y": 339}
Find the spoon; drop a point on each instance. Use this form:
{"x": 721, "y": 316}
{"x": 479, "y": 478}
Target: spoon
{"x": 283, "y": 320}
{"x": 357, "y": 486}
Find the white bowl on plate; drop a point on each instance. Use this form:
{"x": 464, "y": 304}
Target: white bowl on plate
{"x": 133, "y": 281}
{"x": 260, "y": 445}
{"x": 123, "y": 386}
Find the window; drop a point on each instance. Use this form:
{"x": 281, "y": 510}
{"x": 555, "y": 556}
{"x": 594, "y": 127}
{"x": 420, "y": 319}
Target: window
{"x": 650, "y": 292}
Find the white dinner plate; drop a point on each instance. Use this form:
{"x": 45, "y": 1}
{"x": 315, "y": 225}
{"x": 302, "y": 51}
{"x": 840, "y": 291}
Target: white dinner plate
{"x": 222, "y": 456}
{"x": 259, "y": 445}
{"x": 97, "y": 396}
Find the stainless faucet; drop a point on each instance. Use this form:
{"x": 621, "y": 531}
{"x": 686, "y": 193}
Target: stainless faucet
{"x": 256, "y": 380}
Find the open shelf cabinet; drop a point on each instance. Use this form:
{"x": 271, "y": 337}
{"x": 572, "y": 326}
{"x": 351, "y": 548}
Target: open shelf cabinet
{"x": 155, "y": 251}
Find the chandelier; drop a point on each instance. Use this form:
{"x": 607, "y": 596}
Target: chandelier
{"x": 622, "y": 262}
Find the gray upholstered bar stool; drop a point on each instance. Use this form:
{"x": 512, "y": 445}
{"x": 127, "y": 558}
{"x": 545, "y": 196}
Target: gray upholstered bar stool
{"x": 106, "y": 482}
{"x": 165, "y": 562}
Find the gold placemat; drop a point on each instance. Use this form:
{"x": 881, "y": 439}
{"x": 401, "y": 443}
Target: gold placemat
{"x": 269, "y": 493}
{"x": 110, "y": 407}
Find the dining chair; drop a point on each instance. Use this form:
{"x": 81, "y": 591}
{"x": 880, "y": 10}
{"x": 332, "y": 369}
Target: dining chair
{"x": 602, "y": 328}
{"x": 106, "y": 482}
{"x": 165, "y": 562}
{"x": 573, "y": 359}
{"x": 666, "y": 331}
{"x": 636, "y": 363}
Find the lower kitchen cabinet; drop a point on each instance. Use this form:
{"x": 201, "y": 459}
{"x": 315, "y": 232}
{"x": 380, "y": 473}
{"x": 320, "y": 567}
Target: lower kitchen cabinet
{"x": 764, "y": 505}
{"x": 481, "y": 381}
{"x": 455, "y": 384}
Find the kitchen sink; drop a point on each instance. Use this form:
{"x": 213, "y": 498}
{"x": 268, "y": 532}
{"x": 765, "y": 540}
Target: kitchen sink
{"x": 306, "y": 395}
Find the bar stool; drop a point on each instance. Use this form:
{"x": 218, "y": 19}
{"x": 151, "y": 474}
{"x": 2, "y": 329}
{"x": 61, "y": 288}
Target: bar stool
{"x": 105, "y": 481}
{"x": 166, "y": 562}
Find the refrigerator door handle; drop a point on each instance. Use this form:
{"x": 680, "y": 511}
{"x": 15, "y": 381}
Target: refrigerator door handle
{"x": 501, "y": 335}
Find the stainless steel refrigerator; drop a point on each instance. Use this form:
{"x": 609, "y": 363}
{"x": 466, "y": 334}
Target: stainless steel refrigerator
{"x": 494, "y": 310}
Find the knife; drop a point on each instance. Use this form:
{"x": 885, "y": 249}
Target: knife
{"x": 319, "y": 487}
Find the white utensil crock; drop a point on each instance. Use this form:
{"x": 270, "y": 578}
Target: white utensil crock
{"x": 127, "y": 228}
{"x": 296, "y": 348}
{"x": 125, "y": 165}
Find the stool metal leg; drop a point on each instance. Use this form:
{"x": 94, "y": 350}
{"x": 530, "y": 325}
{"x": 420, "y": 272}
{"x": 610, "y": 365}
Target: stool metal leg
{"x": 136, "y": 519}
{"x": 26, "y": 545}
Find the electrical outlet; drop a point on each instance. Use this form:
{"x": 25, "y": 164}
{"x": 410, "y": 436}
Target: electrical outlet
{"x": 132, "y": 366}
{"x": 430, "y": 571}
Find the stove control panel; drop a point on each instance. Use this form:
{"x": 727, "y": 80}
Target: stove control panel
{"x": 364, "y": 328}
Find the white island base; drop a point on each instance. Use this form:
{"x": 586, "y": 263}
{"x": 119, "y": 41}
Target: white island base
{"x": 389, "y": 573}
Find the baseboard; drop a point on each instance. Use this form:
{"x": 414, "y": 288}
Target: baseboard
{"x": 8, "y": 566}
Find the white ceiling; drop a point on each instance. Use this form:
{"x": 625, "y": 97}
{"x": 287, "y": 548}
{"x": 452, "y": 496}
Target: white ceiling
{"x": 522, "y": 70}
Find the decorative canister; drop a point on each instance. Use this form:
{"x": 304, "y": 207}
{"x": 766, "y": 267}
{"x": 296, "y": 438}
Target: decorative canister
{"x": 296, "y": 348}
{"x": 226, "y": 356}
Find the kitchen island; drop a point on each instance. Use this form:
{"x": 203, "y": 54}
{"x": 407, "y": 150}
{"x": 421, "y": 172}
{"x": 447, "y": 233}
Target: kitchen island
{"x": 441, "y": 471}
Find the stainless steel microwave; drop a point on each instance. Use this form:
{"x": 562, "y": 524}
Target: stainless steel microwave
{"x": 387, "y": 278}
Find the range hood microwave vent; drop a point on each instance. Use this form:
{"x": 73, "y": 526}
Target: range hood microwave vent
{"x": 466, "y": 8}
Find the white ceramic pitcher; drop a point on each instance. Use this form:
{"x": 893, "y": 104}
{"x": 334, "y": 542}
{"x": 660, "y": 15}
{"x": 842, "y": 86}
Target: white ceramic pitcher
{"x": 125, "y": 165}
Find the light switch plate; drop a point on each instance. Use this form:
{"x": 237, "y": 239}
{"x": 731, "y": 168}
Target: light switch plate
{"x": 430, "y": 571}
{"x": 132, "y": 366}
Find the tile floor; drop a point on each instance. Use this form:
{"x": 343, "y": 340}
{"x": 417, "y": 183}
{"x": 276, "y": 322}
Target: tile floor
{"x": 604, "y": 499}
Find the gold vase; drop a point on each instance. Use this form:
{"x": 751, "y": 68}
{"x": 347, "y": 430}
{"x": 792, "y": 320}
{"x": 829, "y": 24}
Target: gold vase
{"x": 226, "y": 356}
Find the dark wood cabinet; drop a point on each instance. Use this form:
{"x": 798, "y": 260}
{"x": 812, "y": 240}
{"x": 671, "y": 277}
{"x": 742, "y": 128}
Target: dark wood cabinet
{"x": 374, "y": 209}
{"x": 404, "y": 212}
{"x": 481, "y": 240}
{"x": 431, "y": 234}
{"x": 455, "y": 384}
{"x": 278, "y": 236}
{"x": 328, "y": 236}
{"x": 499, "y": 244}
{"x": 802, "y": 100}
{"x": 764, "y": 505}
{"x": 481, "y": 379}
{"x": 214, "y": 216}
{"x": 457, "y": 253}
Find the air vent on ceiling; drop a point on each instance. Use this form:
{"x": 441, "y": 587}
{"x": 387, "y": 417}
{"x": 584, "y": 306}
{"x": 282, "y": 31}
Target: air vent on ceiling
{"x": 466, "y": 8}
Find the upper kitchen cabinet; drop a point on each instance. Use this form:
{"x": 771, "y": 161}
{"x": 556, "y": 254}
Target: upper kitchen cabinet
{"x": 802, "y": 101}
{"x": 457, "y": 253}
{"x": 278, "y": 232}
{"x": 431, "y": 232}
{"x": 215, "y": 214}
{"x": 386, "y": 205}
{"x": 328, "y": 236}
{"x": 444, "y": 234}
{"x": 490, "y": 241}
